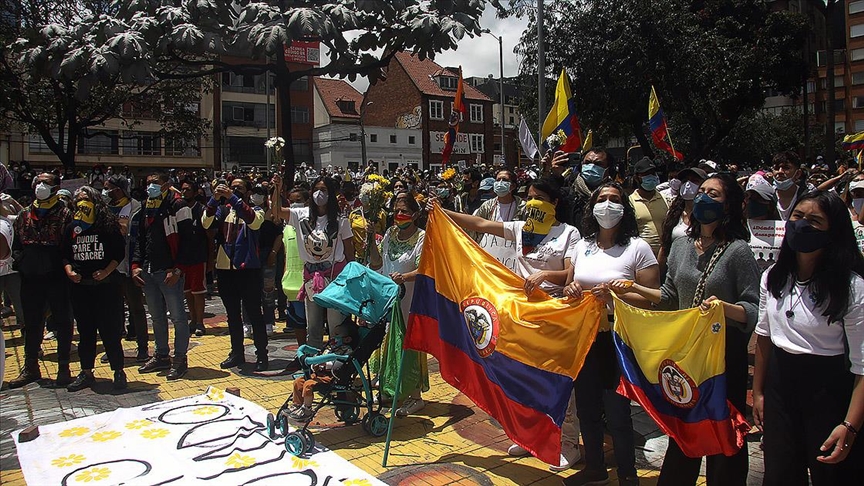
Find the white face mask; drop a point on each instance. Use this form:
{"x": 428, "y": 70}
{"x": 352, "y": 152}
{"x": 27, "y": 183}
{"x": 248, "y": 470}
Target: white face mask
{"x": 689, "y": 190}
{"x": 858, "y": 204}
{"x": 43, "y": 191}
{"x": 674, "y": 185}
{"x": 608, "y": 214}
{"x": 320, "y": 198}
{"x": 257, "y": 199}
{"x": 298, "y": 205}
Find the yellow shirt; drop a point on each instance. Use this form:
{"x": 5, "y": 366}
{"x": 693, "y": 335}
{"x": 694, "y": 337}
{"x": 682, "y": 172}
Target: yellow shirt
{"x": 650, "y": 214}
{"x": 358, "y": 227}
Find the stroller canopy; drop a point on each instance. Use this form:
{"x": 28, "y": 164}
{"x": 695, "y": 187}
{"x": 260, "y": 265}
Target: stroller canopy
{"x": 361, "y": 292}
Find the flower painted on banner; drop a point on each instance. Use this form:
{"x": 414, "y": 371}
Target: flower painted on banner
{"x": 215, "y": 394}
{"x": 66, "y": 461}
{"x": 93, "y": 474}
{"x": 138, "y": 424}
{"x": 448, "y": 174}
{"x": 357, "y": 482}
{"x": 299, "y": 463}
{"x": 74, "y": 432}
{"x": 154, "y": 433}
{"x": 238, "y": 460}
{"x": 206, "y": 410}
{"x": 106, "y": 436}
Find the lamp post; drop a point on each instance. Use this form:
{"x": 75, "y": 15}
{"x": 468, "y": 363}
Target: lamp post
{"x": 363, "y": 134}
{"x": 500, "y": 83}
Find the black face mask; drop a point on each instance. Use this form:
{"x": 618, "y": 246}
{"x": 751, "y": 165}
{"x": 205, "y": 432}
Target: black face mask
{"x": 804, "y": 238}
{"x": 757, "y": 209}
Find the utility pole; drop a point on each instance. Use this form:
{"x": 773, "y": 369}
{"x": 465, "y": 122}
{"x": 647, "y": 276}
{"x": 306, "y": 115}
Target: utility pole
{"x": 500, "y": 84}
{"x": 363, "y": 134}
{"x": 541, "y": 73}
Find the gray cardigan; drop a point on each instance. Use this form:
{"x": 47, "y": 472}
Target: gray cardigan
{"x": 735, "y": 279}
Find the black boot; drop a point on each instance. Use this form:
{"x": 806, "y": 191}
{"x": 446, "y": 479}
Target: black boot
{"x": 64, "y": 376}
{"x": 85, "y": 380}
{"x": 234, "y": 359}
{"x": 263, "y": 363}
{"x": 178, "y": 369}
{"x": 29, "y": 373}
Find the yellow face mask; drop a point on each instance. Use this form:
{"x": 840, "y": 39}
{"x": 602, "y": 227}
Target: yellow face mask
{"x": 539, "y": 217}
{"x": 86, "y": 212}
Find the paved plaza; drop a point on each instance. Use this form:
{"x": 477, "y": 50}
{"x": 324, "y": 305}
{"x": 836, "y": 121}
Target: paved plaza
{"x": 449, "y": 442}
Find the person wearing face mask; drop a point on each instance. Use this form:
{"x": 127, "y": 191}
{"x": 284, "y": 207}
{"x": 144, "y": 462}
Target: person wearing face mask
{"x": 504, "y": 207}
{"x": 612, "y": 250}
{"x": 597, "y": 166}
{"x": 650, "y": 206}
{"x": 161, "y": 247}
{"x": 238, "y": 266}
{"x": 398, "y": 257}
{"x": 194, "y": 284}
{"x": 349, "y": 200}
{"x": 669, "y": 189}
{"x": 544, "y": 247}
{"x": 360, "y": 218}
{"x": 789, "y": 182}
{"x": 468, "y": 199}
{"x": 855, "y": 196}
{"x": 325, "y": 244}
{"x": 677, "y": 219}
{"x": 760, "y": 199}
{"x": 93, "y": 247}
{"x": 292, "y": 274}
{"x": 115, "y": 194}
{"x": 714, "y": 263}
{"x": 808, "y": 381}
{"x": 97, "y": 178}
{"x": 269, "y": 247}
{"x": 39, "y": 261}
{"x": 486, "y": 190}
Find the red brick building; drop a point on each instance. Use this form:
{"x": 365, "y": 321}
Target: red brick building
{"x": 420, "y": 94}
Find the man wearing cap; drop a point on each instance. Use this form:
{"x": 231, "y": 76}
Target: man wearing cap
{"x": 651, "y": 207}
{"x": 485, "y": 190}
{"x": 116, "y": 196}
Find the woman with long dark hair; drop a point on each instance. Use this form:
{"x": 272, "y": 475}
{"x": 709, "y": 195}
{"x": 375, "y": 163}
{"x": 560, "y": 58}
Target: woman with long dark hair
{"x": 678, "y": 217}
{"x": 714, "y": 263}
{"x": 808, "y": 396}
{"x": 325, "y": 243}
{"x": 612, "y": 250}
{"x": 93, "y": 246}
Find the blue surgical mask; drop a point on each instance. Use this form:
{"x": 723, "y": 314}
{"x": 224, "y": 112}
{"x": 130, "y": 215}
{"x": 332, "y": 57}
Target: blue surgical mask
{"x": 501, "y": 188}
{"x": 154, "y": 190}
{"x": 593, "y": 174}
{"x": 707, "y": 210}
{"x": 783, "y": 185}
{"x": 650, "y": 182}
{"x": 443, "y": 193}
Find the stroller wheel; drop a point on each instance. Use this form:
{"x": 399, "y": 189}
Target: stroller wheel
{"x": 282, "y": 423}
{"x": 271, "y": 426}
{"x": 310, "y": 440}
{"x": 347, "y": 413}
{"x": 295, "y": 444}
{"x": 375, "y": 424}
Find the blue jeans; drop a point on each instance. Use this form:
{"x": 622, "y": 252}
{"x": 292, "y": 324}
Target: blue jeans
{"x": 161, "y": 297}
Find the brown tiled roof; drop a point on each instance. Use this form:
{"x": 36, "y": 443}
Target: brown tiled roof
{"x": 422, "y": 73}
{"x": 334, "y": 90}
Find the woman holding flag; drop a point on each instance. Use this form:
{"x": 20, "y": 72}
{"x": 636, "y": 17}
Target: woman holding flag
{"x": 808, "y": 395}
{"x": 613, "y": 250}
{"x": 714, "y": 263}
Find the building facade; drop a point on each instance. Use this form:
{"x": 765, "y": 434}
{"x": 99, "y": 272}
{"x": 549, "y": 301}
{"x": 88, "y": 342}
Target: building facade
{"x": 508, "y": 114}
{"x": 418, "y": 95}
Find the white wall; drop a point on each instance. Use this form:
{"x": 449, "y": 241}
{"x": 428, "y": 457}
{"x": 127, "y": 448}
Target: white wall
{"x": 332, "y": 146}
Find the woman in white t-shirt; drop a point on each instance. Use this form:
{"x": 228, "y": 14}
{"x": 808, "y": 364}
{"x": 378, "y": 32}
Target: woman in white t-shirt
{"x": 612, "y": 251}
{"x": 543, "y": 247}
{"x": 855, "y": 200}
{"x": 808, "y": 382}
{"x": 325, "y": 244}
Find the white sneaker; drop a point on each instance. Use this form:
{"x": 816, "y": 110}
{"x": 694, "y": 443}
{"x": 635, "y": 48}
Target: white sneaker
{"x": 570, "y": 455}
{"x": 411, "y": 405}
{"x": 247, "y": 331}
{"x": 49, "y": 336}
{"x": 517, "y": 450}
{"x": 269, "y": 330}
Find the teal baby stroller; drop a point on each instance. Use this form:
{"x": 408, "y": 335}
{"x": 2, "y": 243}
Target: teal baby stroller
{"x": 365, "y": 294}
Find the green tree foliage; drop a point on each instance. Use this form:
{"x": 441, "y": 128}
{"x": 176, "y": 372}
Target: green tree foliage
{"x": 709, "y": 60}
{"x": 66, "y": 67}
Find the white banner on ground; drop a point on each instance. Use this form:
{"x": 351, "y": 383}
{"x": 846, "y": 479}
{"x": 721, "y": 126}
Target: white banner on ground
{"x": 766, "y": 240}
{"x": 215, "y": 438}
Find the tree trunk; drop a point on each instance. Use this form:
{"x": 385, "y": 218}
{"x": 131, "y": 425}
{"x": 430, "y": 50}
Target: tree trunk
{"x": 283, "y": 95}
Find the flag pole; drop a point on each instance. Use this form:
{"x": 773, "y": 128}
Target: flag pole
{"x": 860, "y": 159}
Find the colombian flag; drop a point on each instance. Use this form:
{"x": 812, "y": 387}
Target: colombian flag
{"x": 457, "y": 115}
{"x": 674, "y": 365}
{"x": 853, "y": 142}
{"x": 515, "y": 357}
{"x": 562, "y": 116}
{"x": 659, "y": 130}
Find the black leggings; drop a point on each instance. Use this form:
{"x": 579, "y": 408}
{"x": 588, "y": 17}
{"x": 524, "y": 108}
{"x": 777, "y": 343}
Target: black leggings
{"x": 243, "y": 286}
{"x": 99, "y": 308}
{"x": 37, "y": 295}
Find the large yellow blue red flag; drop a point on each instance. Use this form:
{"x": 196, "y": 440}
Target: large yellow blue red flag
{"x": 514, "y": 356}
{"x": 457, "y": 115}
{"x": 854, "y": 141}
{"x": 659, "y": 129}
{"x": 562, "y": 117}
{"x": 674, "y": 365}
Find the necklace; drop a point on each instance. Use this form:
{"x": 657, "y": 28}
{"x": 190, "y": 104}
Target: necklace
{"x": 801, "y": 286}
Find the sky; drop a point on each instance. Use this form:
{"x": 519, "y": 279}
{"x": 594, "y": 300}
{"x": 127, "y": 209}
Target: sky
{"x": 478, "y": 56}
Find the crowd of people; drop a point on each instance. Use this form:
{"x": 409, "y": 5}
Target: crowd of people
{"x": 659, "y": 235}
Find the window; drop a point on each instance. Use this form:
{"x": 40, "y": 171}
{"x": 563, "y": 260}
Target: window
{"x": 299, "y": 114}
{"x": 811, "y": 86}
{"x": 839, "y": 127}
{"x": 436, "y": 110}
{"x": 839, "y": 58}
{"x": 839, "y": 105}
{"x": 373, "y": 137}
{"x": 103, "y": 142}
{"x": 839, "y": 82}
{"x": 476, "y": 113}
{"x": 856, "y": 7}
{"x": 37, "y": 144}
{"x": 859, "y": 125}
{"x": 858, "y": 78}
{"x": 141, "y": 143}
{"x": 858, "y": 102}
{"x": 448, "y": 83}
{"x": 181, "y": 147}
{"x": 412, "y": 140}
{"x": 392, "y": 138}
{"x": 347, "y": 106}
{"x": 301, "y": 84}
{"x": 352, "y": 137}
{"x": 512, "y": 121}
{"x": 477, "y": 144}
{"x": 856, "y": 30}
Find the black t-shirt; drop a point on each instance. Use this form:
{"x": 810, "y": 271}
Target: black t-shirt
{"x": 92, "y": 249}
{"x": 267, "y": 235}
{"x": 198, "y": 247}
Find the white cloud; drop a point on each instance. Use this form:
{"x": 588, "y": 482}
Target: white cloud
{"x": 478, "y": 56}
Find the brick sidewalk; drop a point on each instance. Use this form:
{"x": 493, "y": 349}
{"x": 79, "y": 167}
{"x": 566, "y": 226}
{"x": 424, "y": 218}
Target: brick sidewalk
{"x": 449, "y": 442}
